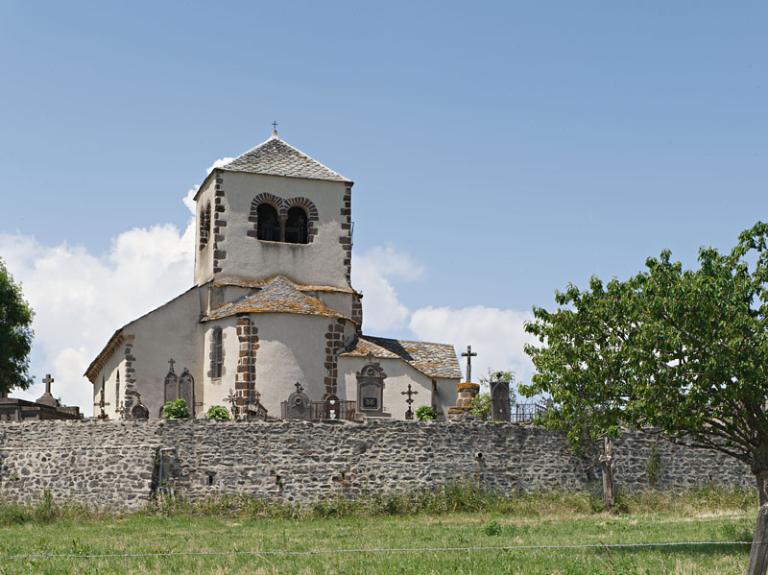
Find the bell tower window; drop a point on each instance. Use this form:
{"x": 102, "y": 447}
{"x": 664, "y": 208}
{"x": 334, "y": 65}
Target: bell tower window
{"x": 268, "y": 223}
{"x": 296, "y": 231}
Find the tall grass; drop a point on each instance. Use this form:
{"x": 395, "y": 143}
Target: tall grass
{"x": 453, "y": 498}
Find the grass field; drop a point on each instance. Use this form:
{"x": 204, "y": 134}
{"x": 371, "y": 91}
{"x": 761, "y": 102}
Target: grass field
{"x": 373, "y": 541}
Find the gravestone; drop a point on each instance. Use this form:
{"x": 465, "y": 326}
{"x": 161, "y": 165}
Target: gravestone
{"x": 500, "y": 410}
{"x": 332, "y": 408}
{"x": 187, "y": 390}
{"x": 299, "y": 404}
{"x": 171, "y": 384}
{"x": 139, "y": 411}
{"x": 370, "y": 389}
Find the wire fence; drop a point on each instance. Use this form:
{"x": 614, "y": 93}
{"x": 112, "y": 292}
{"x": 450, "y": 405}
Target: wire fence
{"x": 370, "y": 550}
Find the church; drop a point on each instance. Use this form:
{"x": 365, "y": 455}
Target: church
{"x": 272, "y": 327}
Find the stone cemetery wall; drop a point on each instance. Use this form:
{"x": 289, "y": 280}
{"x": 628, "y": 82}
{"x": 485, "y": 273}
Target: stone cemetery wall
{"x": 119, "y": 464}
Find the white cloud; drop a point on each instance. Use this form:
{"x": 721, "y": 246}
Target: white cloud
{"x": 372, "y": 272}
{"x": 80, "y": 299}
{"x": 497, "y": 335}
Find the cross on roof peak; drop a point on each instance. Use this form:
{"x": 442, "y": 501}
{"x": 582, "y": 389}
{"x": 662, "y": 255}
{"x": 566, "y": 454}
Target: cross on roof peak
{"x": 274, "y": 129}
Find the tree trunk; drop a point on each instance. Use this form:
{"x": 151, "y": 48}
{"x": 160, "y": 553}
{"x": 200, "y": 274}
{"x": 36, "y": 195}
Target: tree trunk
{"x": 606, "y": 466}
{"x": 758, "y": 554}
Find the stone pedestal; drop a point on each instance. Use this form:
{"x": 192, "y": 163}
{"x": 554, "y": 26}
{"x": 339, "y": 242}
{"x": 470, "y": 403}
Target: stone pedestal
{"x": 467, "y": 392}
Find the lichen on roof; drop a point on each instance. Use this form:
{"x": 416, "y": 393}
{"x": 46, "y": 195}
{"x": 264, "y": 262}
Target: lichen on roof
{"x": 279, "y": 295}
{"x": 278, "y": 158}
{"x": 433, "y": 359}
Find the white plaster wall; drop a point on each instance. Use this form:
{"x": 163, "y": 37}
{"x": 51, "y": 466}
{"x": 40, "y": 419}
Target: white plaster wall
{"x": 171, "y": 331}
{"x": 399, "y": 375}
{"x": 320, "y": 263}
{"x": 291, "y": 349}
{"x": 204, "y": 257}
{"x": 109, "y": 372}
{"x": 446, "y": 394}
{"x": 217, "y": 390}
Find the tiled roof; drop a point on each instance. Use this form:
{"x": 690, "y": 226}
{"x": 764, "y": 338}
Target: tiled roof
{"x": 432, "y": 359}
{"x": 279, "y": 295}
{"x": 277, "y": 158}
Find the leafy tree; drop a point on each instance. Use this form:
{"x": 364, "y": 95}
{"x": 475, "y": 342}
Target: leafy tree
{"x": 176, "y": 409}
{"x": 426, "y": 413}
{"x": 683, "y": 351}
{"x": 218, "y": 413}
{"x": 583, "y": 367}
{"x": 15, "y": 334}
{"x": 481, "y": 406}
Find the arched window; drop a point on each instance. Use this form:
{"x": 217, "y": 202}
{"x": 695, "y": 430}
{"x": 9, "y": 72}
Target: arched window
{"x": 296, "y": 226}
{"x": 268, "y": 223}
{"x": 205, "y": 225}
{"x": 217, "y": 354}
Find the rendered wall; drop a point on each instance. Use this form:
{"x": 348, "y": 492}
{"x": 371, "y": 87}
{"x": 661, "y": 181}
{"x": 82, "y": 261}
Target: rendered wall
{"x": 111, "y": 464}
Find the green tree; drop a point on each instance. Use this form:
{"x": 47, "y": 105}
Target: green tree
{"x": 683, "y": 351}
{"x": 582, "y": 366}
{"x": 481, "y": 406}
{"x": 15, "y": 334}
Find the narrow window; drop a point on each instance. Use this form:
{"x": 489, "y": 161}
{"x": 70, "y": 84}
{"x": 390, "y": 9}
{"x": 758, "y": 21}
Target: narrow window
{"x": 205, "y": 225}
{"x": 217, "y": 354}
{"x": 117, "y": 392}
{"x": 296, "y": 226}
{"x": 268, "y": 223}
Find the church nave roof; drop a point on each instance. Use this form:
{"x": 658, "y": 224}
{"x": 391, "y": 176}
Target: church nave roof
{"x": 432, "y": 359}
{"x": 278, "y": 295}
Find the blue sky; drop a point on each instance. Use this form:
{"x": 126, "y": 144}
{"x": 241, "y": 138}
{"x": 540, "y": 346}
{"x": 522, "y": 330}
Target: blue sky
{"x": 505, "y": 148}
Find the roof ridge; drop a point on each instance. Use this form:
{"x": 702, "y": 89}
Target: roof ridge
{"x": 406, "y": 340}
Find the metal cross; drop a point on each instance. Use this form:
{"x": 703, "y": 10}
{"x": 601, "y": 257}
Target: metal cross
{"x": 232, "y": 399}
{"x": 469, "y": 354}
{"x": 274, "y": 128}
{"x": 410, "y": 393}
{"x": 171, "y": 362}
{"x": 48, "y": 380}
{"x": 299, "y": 387}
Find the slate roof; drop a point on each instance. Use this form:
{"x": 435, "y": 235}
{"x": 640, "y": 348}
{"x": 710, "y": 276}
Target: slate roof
{"x": 277, "y": 158}
{"x": 432, "y": 359}
{"x": 279, "y": 295}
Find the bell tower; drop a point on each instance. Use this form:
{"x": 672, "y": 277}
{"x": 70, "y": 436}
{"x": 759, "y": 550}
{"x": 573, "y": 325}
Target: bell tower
{"x": 275, "y": 211}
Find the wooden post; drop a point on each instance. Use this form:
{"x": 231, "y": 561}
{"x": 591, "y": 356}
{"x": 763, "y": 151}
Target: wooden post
{"x": 758, "y": 553}
{"x": 606, "y": 464}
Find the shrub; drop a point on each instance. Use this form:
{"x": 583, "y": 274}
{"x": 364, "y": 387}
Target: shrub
{"x": 481, "y": 406}
{"x": 218, "y": 413}
{"x": 492, "y": 528}
{"x": 426, "y": 413}
{"x": 176, "y": 409}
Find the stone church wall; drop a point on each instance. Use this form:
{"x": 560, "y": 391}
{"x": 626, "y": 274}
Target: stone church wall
{"x": 112, "y": 464}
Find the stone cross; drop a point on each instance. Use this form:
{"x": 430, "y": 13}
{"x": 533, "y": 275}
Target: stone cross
{"x": 469, "y": 354}
{"x": 48, "y": 380}
{"x": 410, "y": 393}
{"x": 171, "y": 362}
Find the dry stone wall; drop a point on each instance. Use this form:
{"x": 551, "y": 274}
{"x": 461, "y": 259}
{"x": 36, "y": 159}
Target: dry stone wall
{"x": 120, "y": 464}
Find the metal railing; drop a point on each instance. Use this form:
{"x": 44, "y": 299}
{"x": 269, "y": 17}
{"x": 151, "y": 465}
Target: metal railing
{"x": 320, "y": 411}
{"x": 525, "y": 412}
